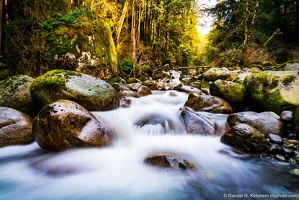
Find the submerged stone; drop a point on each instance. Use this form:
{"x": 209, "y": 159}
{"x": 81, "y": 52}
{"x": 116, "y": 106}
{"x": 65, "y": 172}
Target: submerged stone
{"x": 170, "y": 161}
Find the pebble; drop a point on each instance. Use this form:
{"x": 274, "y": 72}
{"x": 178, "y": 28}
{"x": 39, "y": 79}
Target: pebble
{"x": 280, "y": 157}
{"x": 286, "y": 116}
{"x": 275, "y": 138}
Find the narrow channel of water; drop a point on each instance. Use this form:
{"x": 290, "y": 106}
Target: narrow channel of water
{"x": 152, "y": 124}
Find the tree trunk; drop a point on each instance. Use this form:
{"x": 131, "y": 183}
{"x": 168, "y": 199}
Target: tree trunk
{"x": 112, "y": 50}
{"x": 121, "y": 22}
{"x": 133, "y": 38}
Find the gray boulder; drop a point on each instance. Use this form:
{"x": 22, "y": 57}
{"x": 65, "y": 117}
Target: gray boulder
{"x": 197, "y": 123}
{"x": 15, "y": 93}
{"x": 245, "y": 138}
{"x": 15, "y": 127}
{"x": 214, "y": 74}
{"x": 90, "y": 92}
{"x": 274, "y": 90}
{"x": 65, "y": 124}
{"x": 291, "y": 67}
{"x": 204, "y": 124}
{"x": 266, "y": 122}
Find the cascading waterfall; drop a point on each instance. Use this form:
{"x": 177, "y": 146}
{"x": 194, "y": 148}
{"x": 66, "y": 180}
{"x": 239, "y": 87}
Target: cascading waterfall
{"x": 152, "y": 124}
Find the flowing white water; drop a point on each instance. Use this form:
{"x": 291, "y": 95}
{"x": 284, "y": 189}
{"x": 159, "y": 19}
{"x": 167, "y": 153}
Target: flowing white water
{"x": 152, "y": 124}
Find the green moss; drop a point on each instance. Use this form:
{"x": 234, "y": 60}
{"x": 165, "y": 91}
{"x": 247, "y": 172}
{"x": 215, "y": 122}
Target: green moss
{"x": 53, "y": 78}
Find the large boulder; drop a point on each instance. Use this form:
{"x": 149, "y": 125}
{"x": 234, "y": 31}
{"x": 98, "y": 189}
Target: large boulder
{"x": 274, "y": 91}
{"x": 208, "y": 103}
{"x": 197, "y": 123}
{"x": 170, "y": 161}
{"x": 15, "y": 93}
{"x": 245, "y": 138}
{"x": 204, "y": 123}
{"x": 230, "y": 91}
{"x": 90, "y": 92}
{"x": 65, "y": 124}
{"x": 266, "y": 122}
{"x": 15, "y": 127}
{"x": 214, "y": 74}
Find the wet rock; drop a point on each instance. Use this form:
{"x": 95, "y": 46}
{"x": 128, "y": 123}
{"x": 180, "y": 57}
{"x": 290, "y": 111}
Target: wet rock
{"x": 189, "y": 90}
{"x": 228, "y": 90}
{"x": 288, "y": 151}
{"x": 266, "y": 122}
{"x": 15, "y": 127}
{"x": 141, "y": 90}
{"x": 125, "y": 102}
{"x": 280, "y": 157}
{"x": 286, "y": 116}
{"x": 274, "y": 90}
{"x": 275, "y": 139}
{"x": 90, "y": 92}
{"x": 170, "y": 161}
{"x": 133, "y": 80}
{"x": 292, "y": 144}
{"x": 274, "y": 148}
{"x": 197, "y": 123}
{"x": 124, "y": 91}
{"x": 214, "y": 74}
{"x": 209, "y": 103}
{"x": 150, "y": 84}
{"x": 65, "y": 124}
{"x": 245, "y": 138}
{"x": 15, "y": 93}
{"x": 117, "y": 79}
{"x": 158, "y": 74}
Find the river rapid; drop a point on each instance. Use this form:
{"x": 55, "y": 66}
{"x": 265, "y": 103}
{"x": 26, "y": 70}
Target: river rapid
{"x": 119, "y": 173}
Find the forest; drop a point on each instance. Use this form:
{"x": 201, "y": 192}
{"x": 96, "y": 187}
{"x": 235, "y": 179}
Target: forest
{"x": 105, "y": 38}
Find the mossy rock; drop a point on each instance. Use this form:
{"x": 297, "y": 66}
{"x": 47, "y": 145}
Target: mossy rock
{"x": 228, "y": 90}
{"x": 274, "y": 91}
{"x": 15, "y": 93}
{"x": 90, "y": 92}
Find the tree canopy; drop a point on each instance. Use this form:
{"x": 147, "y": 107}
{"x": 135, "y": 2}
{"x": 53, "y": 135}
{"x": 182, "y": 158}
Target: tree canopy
{"x": 38, "y": 35}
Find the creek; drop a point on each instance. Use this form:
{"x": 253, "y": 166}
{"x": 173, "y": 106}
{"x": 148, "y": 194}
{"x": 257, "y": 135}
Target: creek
{"x": 119, "y": 172}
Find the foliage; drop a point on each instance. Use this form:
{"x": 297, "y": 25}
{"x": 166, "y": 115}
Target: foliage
{"x": 126, "y": 65}
{"x": 251, "y": 32}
